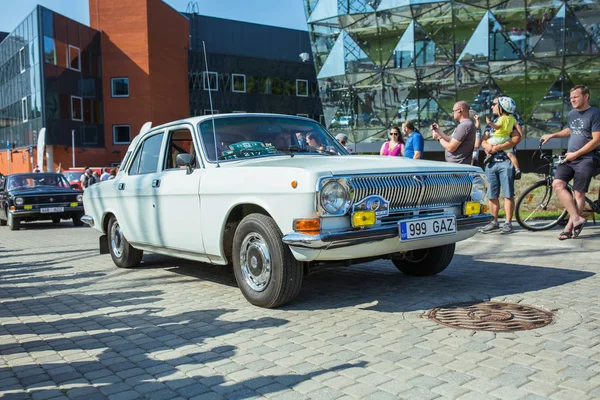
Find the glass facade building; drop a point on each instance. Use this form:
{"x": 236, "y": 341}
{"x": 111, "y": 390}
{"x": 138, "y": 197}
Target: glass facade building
{"x": 381, "y": 62}
{"x": 50, "y": 77}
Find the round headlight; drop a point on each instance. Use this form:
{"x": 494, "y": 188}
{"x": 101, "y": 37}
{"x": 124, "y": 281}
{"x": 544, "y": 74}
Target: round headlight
{"x": 479, "y": 188}
{"x": 19, "y": 201}
{"x": 333, "y": 197}
{"x": 80, "y": 198}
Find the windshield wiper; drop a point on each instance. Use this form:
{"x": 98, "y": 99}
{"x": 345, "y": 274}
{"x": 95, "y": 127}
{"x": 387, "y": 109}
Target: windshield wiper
{"x": 293, "y": 149}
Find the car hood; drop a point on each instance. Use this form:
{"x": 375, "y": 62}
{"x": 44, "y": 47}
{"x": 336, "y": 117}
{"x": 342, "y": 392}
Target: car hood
{"x": 352, "y": 165}
{"x": 41, "y": 191}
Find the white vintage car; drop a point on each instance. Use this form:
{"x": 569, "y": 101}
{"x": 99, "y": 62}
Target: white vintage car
{"x": 277, "y": 196}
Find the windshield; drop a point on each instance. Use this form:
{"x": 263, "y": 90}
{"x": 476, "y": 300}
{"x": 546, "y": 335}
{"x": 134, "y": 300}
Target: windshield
{"x": 73, "y": 176}
{"x": 249, "y": 137}
{"x": 36, "y": 180}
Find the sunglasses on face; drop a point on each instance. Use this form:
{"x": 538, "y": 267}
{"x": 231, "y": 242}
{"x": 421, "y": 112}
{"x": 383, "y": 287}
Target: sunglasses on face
{"x": 394, "y": 134}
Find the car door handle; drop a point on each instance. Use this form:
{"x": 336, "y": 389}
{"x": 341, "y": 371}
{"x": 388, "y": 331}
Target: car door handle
{"x": 121, "y": 186}
{"x": 156, "y": 183}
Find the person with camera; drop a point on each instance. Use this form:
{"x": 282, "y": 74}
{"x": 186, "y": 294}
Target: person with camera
{"x": 581, "y": 161}
{"x": 459, "y": 146}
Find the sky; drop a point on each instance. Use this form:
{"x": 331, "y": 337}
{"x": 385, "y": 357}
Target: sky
{"x": 284, "y": 13}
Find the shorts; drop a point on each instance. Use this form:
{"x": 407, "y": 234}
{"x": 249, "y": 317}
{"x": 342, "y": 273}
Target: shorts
{"x": 500, "y": 174}
{"x": 582, "y": 169}
{"x": 500, "y": 140}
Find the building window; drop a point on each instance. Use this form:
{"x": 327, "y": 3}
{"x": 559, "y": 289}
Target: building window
{"x": 22, "y": 59}
{"x": 207, "y": 112}
{"x": 24, "y": 109}
{"x": 239, "y": 83}
{"x": 211, "y": 81}
{"x": 49, "y": 51}
{"x": 119, "y": 87}
{"x": 74, "y": 60}
{"x": 301, "y": 88}
{"x": 121, "y": 134}
{"x": 76, "y": 108}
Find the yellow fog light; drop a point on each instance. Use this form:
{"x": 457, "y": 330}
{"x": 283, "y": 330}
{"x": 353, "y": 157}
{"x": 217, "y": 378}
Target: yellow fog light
{"x": 74, "y": 204}
{"x": 363, "y": 218}
{"x": 29, "y": 207}
{"x": 472, "y": 208}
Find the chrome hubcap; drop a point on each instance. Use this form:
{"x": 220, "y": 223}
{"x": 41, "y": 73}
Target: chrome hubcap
{"x": 117, "y": 242}
{"x": 255, "y": 261}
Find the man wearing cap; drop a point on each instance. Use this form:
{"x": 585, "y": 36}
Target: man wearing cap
{"x": 343, "y": 139}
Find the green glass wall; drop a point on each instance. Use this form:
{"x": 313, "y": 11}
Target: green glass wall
{"x": 381, "y": 62}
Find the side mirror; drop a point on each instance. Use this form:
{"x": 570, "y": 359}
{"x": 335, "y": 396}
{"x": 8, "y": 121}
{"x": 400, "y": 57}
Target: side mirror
{"x": 185, "y": 160}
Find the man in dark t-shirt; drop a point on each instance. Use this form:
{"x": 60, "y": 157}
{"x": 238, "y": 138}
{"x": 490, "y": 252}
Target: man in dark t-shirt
{"x": 581, "y": 161}
{"x": 459, "y": 146}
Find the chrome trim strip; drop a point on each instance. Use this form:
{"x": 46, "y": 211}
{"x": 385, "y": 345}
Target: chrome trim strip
{"x": 86, "y": 219}
{"x": 332, "y": 240}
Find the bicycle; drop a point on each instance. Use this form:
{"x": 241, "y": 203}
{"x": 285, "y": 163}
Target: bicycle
{"x": 537, "y": 207}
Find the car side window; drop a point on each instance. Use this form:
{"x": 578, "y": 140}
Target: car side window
{"x": 180, "y": 142}
{"x": 146, "y": 159}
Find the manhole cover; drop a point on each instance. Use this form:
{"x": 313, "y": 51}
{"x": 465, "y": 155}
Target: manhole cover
{"x": 490, "y": 316}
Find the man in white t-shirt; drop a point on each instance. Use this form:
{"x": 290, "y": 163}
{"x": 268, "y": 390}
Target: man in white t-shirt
{"x": 105, "y": 175}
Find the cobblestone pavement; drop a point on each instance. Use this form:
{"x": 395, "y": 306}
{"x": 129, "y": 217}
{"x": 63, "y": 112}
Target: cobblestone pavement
{"x": 75, "y": 326}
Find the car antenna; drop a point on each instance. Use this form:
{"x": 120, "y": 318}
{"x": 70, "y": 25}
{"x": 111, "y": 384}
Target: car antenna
{"x": 212, "y": 112}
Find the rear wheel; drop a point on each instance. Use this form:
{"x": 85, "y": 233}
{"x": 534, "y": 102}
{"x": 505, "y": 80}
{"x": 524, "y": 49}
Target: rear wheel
{"x": 77, "y": 220}
{"x": 14, "y": 224}
{"x": 425, "y": 262}
{"x": 265, "y": 269}
{"x": 124, "y": 255}
{"x": 537, "y": 209}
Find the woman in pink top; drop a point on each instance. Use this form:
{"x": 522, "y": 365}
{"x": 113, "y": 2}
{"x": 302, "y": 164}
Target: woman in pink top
{"x": 395, "y": 146}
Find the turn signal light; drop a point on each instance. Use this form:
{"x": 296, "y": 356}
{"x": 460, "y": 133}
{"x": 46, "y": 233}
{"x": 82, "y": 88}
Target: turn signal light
{"x": 74, "y": 204}
{"x": 307, "y": 225}
{"x": 472, "y": 208}
{"x": 484, "y": 209}
{"x": 364, "y": 218}
{"x": 28, "y": 207}
{"x": 13, "y": 208}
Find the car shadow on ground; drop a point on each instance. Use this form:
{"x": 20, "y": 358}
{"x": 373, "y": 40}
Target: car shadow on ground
{"x": 466, "y": 279}
{"x": 42, "y": 225}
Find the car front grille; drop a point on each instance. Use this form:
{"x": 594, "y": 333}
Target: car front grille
{"x": 49, "y": 199}
{"x": 409, "y": 191}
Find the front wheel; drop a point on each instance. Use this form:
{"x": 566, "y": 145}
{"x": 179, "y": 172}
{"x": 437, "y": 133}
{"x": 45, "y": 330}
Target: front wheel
{"x": 77, "y": 220}
{"x": 425, "y": 262}
{"x": 124, "y": 255}
{"x": 537, "y": 209}
{"x": 14, "y": 224}
{"x": 265, "y": 269}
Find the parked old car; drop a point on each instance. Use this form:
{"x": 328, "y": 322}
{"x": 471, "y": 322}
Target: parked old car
{"x": 260, "y": 192}
{"x": 38, "y": 197}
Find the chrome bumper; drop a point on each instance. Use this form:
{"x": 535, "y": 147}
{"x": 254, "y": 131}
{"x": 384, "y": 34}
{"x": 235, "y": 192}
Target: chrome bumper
{"x": 29, "y": 213}
{"x": 86, "y": 219}
{"x": 334, "y": 240}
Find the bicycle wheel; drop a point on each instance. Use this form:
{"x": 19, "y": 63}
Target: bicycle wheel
{"x": 537, "y": 209}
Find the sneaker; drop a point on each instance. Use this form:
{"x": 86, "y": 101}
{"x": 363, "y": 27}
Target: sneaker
{"x": 488, "y": 158}
{"x": 517, "y": 174}
{"x": 492, "y": 226}
{"x": 506, "y": 228}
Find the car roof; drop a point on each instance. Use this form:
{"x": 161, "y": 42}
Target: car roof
{"x": 195, "y": 120}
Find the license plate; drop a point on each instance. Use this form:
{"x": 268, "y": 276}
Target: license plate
{"x": 420, "y": 228}
{"x": 52, "y": 209}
